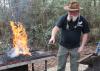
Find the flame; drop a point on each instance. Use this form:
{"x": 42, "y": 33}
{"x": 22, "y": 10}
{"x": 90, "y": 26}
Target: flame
{"x": 19, "y": 38}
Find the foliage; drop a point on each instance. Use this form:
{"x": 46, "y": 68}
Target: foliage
{"x": 39, "y": 17}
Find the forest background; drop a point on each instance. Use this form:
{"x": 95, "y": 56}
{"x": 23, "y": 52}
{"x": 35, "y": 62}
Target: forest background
{"x": 39, "y": 17}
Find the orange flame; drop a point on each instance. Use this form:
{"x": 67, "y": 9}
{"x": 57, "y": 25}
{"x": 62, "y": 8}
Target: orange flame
{"x": 19, "y": 38}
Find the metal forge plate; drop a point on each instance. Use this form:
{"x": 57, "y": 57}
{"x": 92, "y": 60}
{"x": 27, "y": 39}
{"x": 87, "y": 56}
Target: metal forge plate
{"x": 37, "y": 56}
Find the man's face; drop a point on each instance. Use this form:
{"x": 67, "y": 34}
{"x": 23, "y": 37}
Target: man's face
{"x": 73, "y": 13}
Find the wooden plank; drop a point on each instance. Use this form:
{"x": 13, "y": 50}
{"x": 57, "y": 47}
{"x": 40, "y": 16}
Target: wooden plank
{"x": 87, "y": 59}
{"x": 84, "y": 58}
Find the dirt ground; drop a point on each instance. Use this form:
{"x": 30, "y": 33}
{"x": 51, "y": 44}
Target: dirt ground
{"x": 53, "y": 62}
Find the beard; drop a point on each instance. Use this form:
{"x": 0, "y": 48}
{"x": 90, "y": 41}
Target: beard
{"x": 73, "y": 18}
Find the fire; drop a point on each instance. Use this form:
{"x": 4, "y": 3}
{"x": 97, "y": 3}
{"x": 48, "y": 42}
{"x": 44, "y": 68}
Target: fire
{"x": 19, "y": 39}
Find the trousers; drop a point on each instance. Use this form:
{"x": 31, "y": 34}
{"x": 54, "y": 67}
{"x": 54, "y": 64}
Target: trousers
{"x": 62, "y": 56}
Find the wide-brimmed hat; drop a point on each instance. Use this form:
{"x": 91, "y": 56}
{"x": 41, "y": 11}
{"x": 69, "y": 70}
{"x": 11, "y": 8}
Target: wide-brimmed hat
{"x": 73, "y": 6}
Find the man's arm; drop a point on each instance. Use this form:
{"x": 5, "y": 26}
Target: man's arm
{"x": 55, "y": 30}
{"x": 84, "y": 41}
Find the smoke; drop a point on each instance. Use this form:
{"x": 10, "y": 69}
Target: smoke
{"x": 14, "y": 52}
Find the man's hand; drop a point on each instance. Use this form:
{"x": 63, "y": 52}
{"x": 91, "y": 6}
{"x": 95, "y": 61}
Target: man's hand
{"x": 80, "y": 49}
{"x": 52, "y": 40}
{"x": 84, "y": 41}
{"x": 55, "y": 30}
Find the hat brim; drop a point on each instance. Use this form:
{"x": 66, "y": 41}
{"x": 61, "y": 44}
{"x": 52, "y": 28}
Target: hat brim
{"x": 68, "y": 9}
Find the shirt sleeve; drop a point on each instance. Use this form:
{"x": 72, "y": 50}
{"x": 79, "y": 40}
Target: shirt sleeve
{"x": 85, "y": 28}
{"x": 60, "y": 21}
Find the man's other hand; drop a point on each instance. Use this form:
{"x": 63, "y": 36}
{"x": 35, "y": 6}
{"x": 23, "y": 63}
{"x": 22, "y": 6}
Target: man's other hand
{"x": 52, "y": 40}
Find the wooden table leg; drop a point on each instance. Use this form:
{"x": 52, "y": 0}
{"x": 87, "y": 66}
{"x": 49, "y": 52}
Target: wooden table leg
{"x": 33, "y": 67}
{"x": 45, "y": 65}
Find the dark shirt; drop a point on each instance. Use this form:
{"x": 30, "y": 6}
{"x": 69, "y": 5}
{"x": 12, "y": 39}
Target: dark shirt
{"x": 71, "y": 31}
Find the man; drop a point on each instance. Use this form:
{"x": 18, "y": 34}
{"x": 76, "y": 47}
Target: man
{"x": 72, "y": 26}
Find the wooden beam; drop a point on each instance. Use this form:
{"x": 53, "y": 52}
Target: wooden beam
{"x": 89, "y": 59}
{"x": 84, "y": 58}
